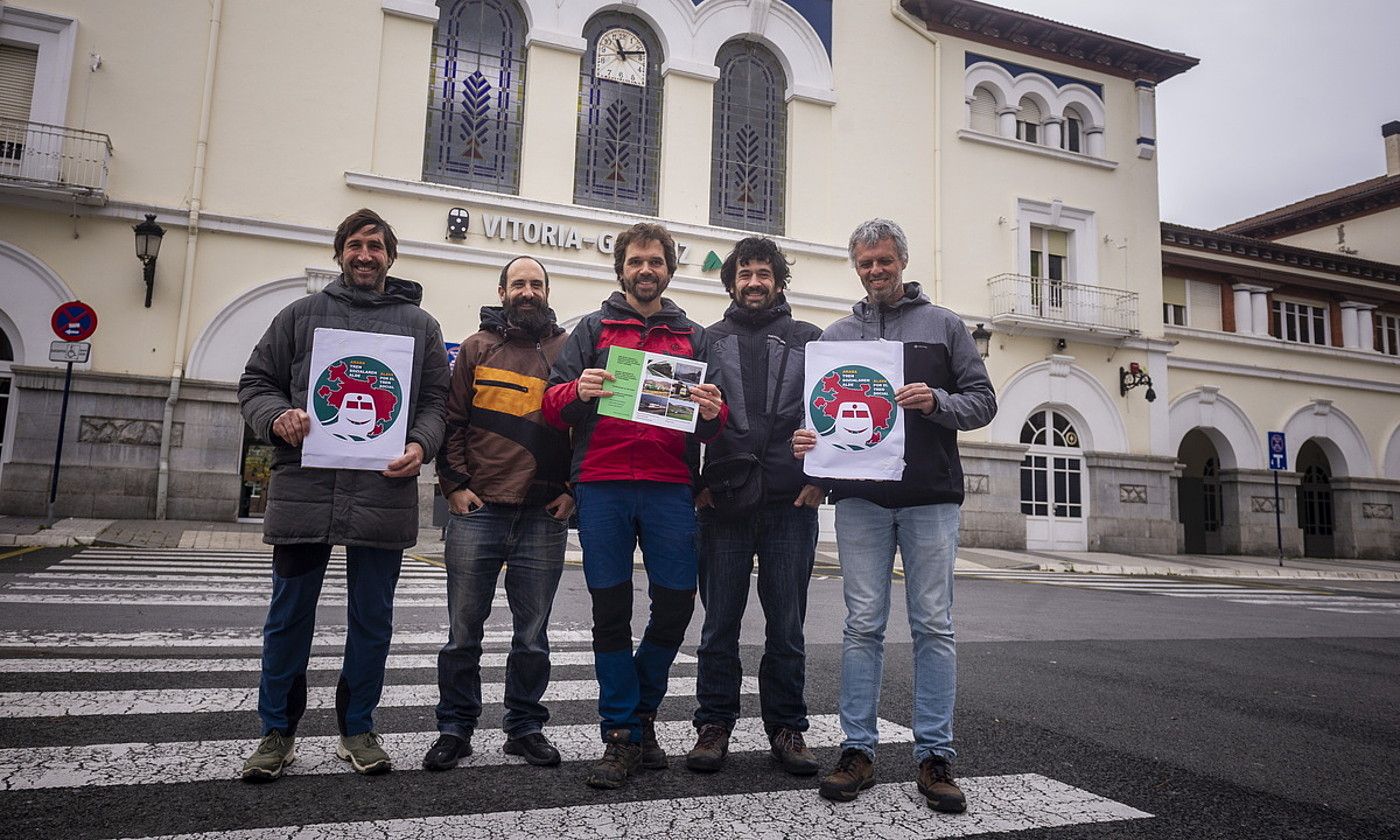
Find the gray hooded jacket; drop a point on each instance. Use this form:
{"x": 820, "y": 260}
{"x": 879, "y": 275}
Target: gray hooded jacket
{"x": 343, "y": 507}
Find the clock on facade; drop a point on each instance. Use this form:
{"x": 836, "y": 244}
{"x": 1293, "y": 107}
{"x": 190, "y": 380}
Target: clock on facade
{"x": 621, "y": 57}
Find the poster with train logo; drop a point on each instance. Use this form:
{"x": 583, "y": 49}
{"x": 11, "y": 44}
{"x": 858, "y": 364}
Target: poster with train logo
{"x": 357, "y": 397}
{"x": 850, "y": 387}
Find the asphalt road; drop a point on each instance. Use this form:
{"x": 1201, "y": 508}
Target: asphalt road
{"x": 1167, "y": 709}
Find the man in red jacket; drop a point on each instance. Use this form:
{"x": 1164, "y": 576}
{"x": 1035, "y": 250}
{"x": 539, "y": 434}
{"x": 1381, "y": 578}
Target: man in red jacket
{"x": 633, "y": 484}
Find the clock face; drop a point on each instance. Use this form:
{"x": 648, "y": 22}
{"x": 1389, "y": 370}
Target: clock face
{"x": 622, "y": 57}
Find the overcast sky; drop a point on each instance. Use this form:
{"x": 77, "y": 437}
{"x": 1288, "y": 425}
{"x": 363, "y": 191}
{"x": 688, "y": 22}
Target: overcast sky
{"x": 1287, "y": 102}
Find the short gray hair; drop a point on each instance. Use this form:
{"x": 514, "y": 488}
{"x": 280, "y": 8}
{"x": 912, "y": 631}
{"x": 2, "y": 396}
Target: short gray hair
{"x": 867, "y": 234}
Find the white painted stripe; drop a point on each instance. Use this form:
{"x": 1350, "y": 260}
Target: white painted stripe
{"x": 198, "y": 577}
{"x": 996, "y": 804}
{"x": 176, "y": 600}
{"x": 1352, "y": 612}
{"x": 159, "y": 701}
{"x": 261, "y": 587}
{"x": 202, "y": 761}
{"x": 330, "y": 635}
{"x": 404, "y": 661}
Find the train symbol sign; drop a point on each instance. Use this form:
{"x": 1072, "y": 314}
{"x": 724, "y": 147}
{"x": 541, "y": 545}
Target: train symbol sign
{"x": 1278, "y": 451}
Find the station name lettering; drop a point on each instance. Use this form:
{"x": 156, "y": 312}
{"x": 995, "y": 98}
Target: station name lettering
{"x": 509, "y": 228}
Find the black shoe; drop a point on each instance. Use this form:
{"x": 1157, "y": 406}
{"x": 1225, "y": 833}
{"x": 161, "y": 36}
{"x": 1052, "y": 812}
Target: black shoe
{"x": 854, "y": 773}
{"x": 937, "y": 785}
{"x": 534, "y": 748}
{"x": 446, "y": 752}
{"x": 653, "y": 757}
{"x": 790, "y": 750}
{"x": 621, "y": 758}
{"x": 711, "y": 746}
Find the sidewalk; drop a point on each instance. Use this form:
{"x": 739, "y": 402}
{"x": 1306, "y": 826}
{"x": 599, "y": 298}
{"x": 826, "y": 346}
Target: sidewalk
{"x": 152, "y": 533}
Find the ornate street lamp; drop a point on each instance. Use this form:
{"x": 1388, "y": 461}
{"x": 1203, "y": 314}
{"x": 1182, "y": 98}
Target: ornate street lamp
{"x": 148, "y": 236}
{"x": 982, "y": 337}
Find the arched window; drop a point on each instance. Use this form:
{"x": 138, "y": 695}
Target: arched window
{"x": 983, "y": 111}
{"x": 1028, "y": 121}
{"x": 1072, "y": 135}
{"x": 477, "y": 91}
{"x": 619, "y": 116}
{"x": 1051, "y": 482}
{"x": 748, "y": 171}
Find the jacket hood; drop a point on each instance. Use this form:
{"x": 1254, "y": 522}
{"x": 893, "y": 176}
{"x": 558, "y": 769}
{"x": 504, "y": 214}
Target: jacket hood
{"x": 396, "y": 290}
{"x": 913, "y": 296}
{"x": 616, "y": 306}
{"x": 493, "y": 319}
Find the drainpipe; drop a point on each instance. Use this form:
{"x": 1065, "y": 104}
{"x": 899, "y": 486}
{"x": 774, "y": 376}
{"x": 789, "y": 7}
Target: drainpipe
{"x": 919, "y": 27}
{"x": 177, "y": 373}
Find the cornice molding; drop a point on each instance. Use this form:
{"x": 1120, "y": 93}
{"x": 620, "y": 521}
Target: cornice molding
{"x": 1207, "y": 241}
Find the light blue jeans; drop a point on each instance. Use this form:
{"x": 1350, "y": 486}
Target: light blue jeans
{"x": 927, "y": 537}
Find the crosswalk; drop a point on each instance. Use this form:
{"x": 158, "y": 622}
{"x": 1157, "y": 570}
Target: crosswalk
{"x": 166, "y": 716}
{"x": 1235, "y": 593}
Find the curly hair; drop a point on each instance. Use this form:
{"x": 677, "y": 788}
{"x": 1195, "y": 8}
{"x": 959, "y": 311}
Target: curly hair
{"x": 755, "y": 249}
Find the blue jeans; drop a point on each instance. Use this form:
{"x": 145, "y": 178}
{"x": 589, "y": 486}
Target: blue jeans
{"x": 297, "y": 573}
{"x": 613, "y": 518}
{"x": 785, "y": 539}
{"x": 530, "y": 543}
{"x": 927, "y": 536}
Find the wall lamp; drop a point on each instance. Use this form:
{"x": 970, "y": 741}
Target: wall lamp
{"x": 982, "y": 337}
{"x": 1132, "y": 377}
{"x": 148, "y": 236}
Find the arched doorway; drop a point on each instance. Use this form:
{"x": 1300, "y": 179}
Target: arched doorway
{"x": 1199, "y": 502}
{"x": 1315, "y": 511}
{"x": 1052, "y": 483}
{"x": 7, "y": 413}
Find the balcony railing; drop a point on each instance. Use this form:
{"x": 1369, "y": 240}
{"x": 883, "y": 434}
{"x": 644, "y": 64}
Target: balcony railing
{"x": 1029, "y": 301}
{"x": 42, "y": 159}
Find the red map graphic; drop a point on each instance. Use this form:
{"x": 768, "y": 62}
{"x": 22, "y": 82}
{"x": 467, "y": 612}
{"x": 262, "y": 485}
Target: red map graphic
{"x": 343, "y": 385}
{"x": 834, "y": 393}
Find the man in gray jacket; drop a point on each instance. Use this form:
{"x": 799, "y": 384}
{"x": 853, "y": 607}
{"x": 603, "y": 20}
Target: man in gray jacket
{"x": 946, "y": 390}
{"x": 373, "y": 514}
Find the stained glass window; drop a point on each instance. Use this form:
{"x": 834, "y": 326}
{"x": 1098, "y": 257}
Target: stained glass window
{"x": 748, "y": 164}
{"x": 619, "y": 126}
{"x": 477, "y": 91}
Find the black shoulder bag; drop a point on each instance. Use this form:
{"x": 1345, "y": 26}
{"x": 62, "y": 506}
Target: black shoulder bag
{"x": 736, "y": 481}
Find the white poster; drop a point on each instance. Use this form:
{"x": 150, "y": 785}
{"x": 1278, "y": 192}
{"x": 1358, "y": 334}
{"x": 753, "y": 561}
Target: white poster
{"x": 850, "y": 404}
{"x": 357, "y": 396}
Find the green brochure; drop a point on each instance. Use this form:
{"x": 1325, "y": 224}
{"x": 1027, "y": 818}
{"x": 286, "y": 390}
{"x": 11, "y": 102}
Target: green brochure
{"x": 652, "y": 388}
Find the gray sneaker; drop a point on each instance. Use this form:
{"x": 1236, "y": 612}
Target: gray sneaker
{"x": 364, "y": 753}
{"x": 275, "y": 751}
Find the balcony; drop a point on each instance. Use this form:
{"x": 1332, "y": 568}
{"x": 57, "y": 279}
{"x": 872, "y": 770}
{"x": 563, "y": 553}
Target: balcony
{"x": 50, "y": 161}
{"x": 1037, "y": 304}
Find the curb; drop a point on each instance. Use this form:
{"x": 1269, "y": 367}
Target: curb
{"x": 1193, "y": 571}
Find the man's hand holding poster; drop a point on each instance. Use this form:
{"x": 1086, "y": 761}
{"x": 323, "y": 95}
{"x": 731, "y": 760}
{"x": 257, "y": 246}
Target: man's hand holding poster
{"x": 850, "y": 398}
{"x": 357, "y": 397}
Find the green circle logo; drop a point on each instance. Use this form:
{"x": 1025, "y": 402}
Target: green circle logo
{"x": 357, "y": 398}
{"x": 853, "y": 407}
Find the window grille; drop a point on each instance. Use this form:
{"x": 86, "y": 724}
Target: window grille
{"x": 619, "y": 128}
{"x": 477, "y": 94}
{"x": 748, "y": 172}
{"x": 1051, "y": 483}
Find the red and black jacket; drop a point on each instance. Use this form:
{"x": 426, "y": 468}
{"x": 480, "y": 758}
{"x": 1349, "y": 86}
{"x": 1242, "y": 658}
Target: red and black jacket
{"x": 609, "y": 449}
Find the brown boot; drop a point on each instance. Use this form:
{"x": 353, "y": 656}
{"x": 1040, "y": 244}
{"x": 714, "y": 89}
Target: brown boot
{"x": 711, "y": 746}
{"x": 653, "y": 757}
{"x": 854, "y": 773}
{"x": 790, "y": 750}
{"x": 621, "y": 759}
{"x": 937, "y": 785}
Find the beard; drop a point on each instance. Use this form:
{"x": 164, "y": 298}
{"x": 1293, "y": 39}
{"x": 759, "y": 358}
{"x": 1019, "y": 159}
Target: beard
{"x": 532, "y": 319}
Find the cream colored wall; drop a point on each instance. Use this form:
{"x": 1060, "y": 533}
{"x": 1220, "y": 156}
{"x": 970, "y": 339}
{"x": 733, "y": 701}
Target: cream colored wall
{"x": 1373, "y": 237}
{"x": 550, "y": 124}
{"x": 687, "y": 128}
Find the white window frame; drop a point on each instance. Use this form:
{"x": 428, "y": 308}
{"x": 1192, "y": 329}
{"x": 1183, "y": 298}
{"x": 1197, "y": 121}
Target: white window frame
{"x": 1387, "y": 333}
{"x": 54, "y": 37}
{"x": 1081, "y": 258}
{"x": 1281, "y": 305}
{"x": 1175, "y": 315}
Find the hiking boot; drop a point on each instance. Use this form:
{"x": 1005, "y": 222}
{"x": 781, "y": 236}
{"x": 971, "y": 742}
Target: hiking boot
{"x": 711, "y": 746}
{"x": 937, "y": 785}
{"x": 364, "y": 753}
{"x": 621, "y": 758}
{"x": 275, "y": 751}
{"x": 446, "y": 751}
{"x": 854, "y": 773}
{"x": 790, "y": 750}
{"x": 534, "y": 748}
{"x": 653, "y": 757}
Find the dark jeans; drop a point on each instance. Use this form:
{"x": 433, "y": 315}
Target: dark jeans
{"x": 785, "y": 540}
{"x": 529, "y": 542}
{"x": 297, "y": 573}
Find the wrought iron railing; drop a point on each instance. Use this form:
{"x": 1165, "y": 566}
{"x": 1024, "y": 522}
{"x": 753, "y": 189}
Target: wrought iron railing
{"x": 1039, "y": 299}
{"x": 53, "y": 157}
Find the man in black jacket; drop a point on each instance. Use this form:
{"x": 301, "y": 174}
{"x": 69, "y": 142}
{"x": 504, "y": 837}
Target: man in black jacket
{"x": 756, "y": 358}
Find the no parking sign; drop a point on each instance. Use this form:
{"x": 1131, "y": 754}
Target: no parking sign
{"x": 74, "y": 321}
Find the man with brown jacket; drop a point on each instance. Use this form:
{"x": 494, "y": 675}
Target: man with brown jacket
{"x": 503, "y": 472}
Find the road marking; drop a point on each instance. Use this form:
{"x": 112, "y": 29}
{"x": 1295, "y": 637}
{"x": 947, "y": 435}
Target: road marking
{"x": 327, "y": 636}
{"x": 406, "y": 661}
{"x": 160, "y": 701}
{"x": 257, "y": 587}
{"x": 19, "y": 551}
{"x": 202, "y": 761}
{"x": 262, "y": 572}
{"x": 133, "y": 600}
{"x": 996, "y": 804}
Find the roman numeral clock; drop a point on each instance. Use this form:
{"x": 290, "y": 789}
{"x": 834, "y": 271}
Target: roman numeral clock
{"x": 621, "y": 57}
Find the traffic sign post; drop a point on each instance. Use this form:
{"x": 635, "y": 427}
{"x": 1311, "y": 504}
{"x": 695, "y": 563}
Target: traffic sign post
{"x": 1278, "y": 460}
{"x": 73, "y": 322}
